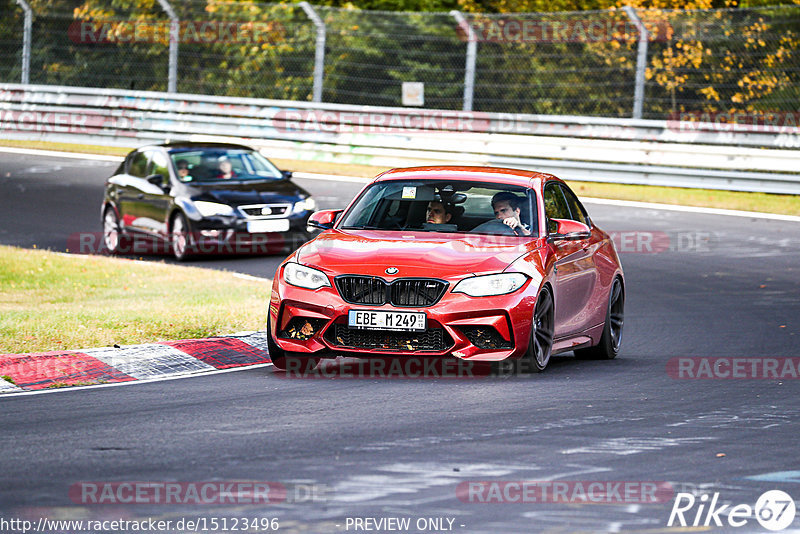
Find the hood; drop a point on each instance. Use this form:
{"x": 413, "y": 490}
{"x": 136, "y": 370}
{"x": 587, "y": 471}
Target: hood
{"x": 414, "y": 254}
{"x": 257, "y": 192}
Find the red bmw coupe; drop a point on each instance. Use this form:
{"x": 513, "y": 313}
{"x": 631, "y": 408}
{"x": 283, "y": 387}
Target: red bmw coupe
{"x": 477, "y": 263}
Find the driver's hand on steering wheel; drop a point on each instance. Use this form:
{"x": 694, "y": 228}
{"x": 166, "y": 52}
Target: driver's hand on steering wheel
{"x": 515, "y": 225}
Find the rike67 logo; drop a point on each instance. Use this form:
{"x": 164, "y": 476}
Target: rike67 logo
{"x": 774, "y": 510}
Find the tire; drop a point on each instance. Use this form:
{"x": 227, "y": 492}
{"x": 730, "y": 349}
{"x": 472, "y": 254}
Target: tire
{"x": 180, "y": 237}
{"x": 283, "y": 360}
{"x": 540, "y": 347}
{"x": 611, "y": 340}
{"x": 114, "y": 238}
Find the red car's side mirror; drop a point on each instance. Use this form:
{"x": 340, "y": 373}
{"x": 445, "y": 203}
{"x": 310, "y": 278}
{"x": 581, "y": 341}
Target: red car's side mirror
{"x": 323, "y": 219}
{"x": 567, "y": 229}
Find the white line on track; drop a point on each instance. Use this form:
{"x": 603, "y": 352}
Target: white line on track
{"x": 331, "y": 177}
{"x": 252, "y": 278}
{"x": 691, "y": 209}
{"x": 57, "y": 154}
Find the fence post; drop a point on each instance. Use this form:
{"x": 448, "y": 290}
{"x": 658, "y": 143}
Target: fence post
{"x": 26, "y": 41}
{"x": 472, "y": 47}
{"x": 319, "y": 52}
{"x": 641, "y": 61}
{"x": 174, "y": 38}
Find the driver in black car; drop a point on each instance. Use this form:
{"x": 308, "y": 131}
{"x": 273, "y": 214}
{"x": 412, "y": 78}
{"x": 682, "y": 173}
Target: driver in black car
{"x": 507, "y": 208}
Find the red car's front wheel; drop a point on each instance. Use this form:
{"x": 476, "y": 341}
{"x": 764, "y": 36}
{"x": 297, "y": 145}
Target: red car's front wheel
{"x": 541, "y": 343}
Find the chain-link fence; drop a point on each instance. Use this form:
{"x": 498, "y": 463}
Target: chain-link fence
{"x": 581, "y": 63}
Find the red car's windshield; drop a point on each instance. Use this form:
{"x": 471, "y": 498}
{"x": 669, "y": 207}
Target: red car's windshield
{"x": 445, "y": 206}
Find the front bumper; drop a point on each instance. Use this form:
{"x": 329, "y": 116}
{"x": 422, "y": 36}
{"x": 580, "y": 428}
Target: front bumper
{"x": 471, "y": 328}
{"x": 225, "y": 235}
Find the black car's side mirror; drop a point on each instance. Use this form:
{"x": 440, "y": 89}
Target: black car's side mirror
{"x": 286, "y": 174}
{"x": 156, "y": 179}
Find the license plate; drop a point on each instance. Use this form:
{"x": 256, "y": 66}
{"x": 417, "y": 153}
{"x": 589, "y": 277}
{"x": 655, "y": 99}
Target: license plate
{"x": 387, "y": 320}
{"x": 268, "y": 225}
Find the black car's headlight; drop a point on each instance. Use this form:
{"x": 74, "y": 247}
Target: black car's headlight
{"x": 210, "y": 209}
{"x": 307, "y": 204}
{"x": 302, "y": 276}
{"x": 490, "y": 284}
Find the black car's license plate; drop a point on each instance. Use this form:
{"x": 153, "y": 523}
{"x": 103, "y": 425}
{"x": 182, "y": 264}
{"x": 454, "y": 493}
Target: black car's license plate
{"x": 387, "y": 320}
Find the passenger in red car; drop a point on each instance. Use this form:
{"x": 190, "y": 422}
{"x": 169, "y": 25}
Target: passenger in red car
{"x": 506, "y": 206}
{"x": 438, "y": 213}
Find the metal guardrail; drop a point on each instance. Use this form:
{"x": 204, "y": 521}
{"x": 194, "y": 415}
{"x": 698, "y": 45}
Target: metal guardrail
{"x": 628, "y": 151}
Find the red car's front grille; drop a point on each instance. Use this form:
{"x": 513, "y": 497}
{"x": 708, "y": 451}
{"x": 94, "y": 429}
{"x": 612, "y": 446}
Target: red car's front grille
{"x": 405, "y": 292}
{"x": 432, "y": 339}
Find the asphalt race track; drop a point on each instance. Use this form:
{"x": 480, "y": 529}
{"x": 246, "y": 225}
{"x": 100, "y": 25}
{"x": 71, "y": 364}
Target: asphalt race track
{"x": 717, "y": 288}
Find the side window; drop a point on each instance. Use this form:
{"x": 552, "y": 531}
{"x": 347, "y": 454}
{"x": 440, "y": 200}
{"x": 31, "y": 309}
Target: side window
{"x": 578, "y": 212}
{"x": 555, "y": 207}
{"x": 159, "y": 165}
{"x": 138, "y": 165}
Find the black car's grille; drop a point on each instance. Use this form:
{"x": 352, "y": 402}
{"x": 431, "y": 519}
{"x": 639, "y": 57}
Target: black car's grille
{"x": 405, "y": 292}
{"x": 265, "y": 210}
{"x": 432, "y": 339}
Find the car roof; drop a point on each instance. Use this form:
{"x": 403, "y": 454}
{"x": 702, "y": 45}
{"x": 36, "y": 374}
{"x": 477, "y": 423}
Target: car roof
{"x": 467, "y": 173}
{"x": 196, "y": 144}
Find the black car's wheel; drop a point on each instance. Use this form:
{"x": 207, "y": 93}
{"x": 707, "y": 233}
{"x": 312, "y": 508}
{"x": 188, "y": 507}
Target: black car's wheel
{"x": 611, "y": 340}
{"x": 541, "y": 343}
{"x": 283, "y": 360}
{"x": 181, "y": 238}
{"x": 114, "y": 238}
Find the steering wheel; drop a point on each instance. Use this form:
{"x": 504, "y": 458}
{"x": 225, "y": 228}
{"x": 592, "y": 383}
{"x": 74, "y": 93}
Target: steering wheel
{"x": 495, "y": 226}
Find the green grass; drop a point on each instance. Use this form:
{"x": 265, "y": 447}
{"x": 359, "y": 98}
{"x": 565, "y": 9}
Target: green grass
{"x": 709, "y": 198}
{"x": 51, "y": 301}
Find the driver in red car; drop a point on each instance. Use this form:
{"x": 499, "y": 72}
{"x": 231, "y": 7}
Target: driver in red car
{"x": 438, "y": 213}
{"x": 507, "y": 208}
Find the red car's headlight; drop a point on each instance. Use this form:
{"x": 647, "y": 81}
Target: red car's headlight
{"x": 490, "y": 284}
{"x": 306, "y": 277}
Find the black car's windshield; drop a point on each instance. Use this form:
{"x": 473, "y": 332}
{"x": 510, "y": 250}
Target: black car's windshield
{"x": 445, "y": 206}
{"x": 216, "y": 164}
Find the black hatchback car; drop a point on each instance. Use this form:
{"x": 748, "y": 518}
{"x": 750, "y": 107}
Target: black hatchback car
{"x": 196, "y": 198}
